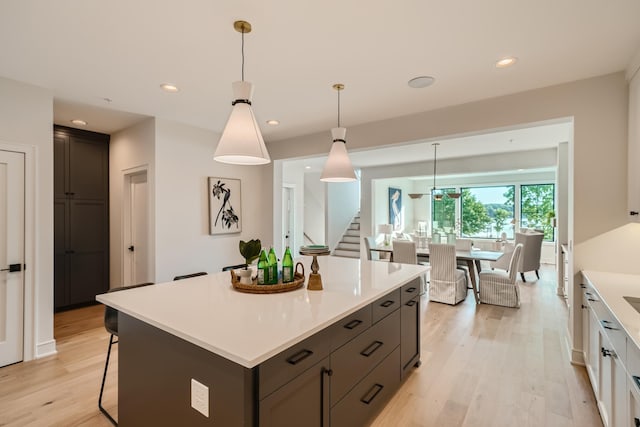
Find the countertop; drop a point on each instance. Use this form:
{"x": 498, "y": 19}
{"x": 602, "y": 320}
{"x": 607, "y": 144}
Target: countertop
{"x": 250, "y": 328}
{"x": 612, "y": 287}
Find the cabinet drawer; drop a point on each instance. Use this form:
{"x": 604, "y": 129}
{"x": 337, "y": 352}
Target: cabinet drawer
{"x": 409, "y": 291}
{"x": 366, "y": 398}
{"x": 351, "y": 362}
{"x": 385, "y": 305}
{"x": 350, "y": 327}
{"x": 283, "y": 367}
{"x": 609, "y": 324}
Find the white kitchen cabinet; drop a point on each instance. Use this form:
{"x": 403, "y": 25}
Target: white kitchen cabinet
{"x": 633, "y": 400}
{"x": 633, "y": 174}
{"x": 612, "y": 384}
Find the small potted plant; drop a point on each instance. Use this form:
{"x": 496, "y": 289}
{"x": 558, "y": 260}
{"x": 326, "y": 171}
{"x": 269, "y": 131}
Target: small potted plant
{"x": 250, "y": 251}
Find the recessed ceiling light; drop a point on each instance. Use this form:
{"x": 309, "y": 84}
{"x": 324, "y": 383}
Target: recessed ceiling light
{"x": 167, "y": 87}
{"x": 79, "y": 122}
{"x": 421, "y": 81}
{"x": 307, "y": 167}
{"x": 506, "y": 62}
{"x": 520, "y": 170}
{"x": 273, "y": 122}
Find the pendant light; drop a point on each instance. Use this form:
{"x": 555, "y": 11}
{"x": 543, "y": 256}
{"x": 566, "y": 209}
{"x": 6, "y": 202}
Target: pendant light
{"x": 338, "y": 167}
{"x": 241, "y": 142}
{"x": 436, "y": 196}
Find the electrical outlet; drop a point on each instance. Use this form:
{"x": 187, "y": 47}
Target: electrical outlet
{"x": 200, "y": 397}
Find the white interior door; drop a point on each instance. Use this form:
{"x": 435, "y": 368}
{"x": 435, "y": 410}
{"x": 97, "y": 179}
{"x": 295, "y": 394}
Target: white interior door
{"x": 11, "y": 257}
{"x": 136, "y": 226}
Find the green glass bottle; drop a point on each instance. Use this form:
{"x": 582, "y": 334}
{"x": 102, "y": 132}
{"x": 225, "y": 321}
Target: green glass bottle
{"x": 263, "y": 269}
{"x": 287, "y": 266}
{"x": 273, "y": 267}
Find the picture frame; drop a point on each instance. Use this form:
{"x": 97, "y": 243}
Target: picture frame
{"x": 225, "y": 207}
{"x": 395, "y": 208}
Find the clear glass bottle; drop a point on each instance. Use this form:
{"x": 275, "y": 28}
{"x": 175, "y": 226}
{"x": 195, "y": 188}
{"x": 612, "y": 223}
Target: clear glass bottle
{"x": 287, "y": 266}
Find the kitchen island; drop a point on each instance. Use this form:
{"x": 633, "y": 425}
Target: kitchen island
{"x": 330, "y": 357}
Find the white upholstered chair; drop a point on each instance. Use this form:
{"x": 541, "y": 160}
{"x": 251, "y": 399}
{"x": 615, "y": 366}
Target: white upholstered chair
{"x": 447, "y": 284}
{"x": 501, "y": 287}
{"x": 404, "y": 252}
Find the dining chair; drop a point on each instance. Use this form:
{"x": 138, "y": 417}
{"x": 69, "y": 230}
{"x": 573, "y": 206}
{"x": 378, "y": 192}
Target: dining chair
{"x": 188, "y": 276}
{"x": 370, "y": 242}
{"x": 447, "y": 284}
{"x": 531, "y": 251}
{"x": 464, "y": 245}
{"x": 111, "y": 325}
{"x": 404, "y": 252}
{"x": 501, "y": 287}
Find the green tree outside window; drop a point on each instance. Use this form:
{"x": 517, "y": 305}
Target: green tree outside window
{"x": 537, "y": 204}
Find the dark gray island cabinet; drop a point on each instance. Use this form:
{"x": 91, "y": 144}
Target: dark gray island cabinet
{"x": 341, "y": 375}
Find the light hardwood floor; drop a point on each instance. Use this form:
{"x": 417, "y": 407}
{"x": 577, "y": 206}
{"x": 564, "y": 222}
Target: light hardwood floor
{"x": 481, "y": 366}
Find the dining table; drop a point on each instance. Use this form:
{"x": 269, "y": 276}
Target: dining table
{"x": 471, "y": 257}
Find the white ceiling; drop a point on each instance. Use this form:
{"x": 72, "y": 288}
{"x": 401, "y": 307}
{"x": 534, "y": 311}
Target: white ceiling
{"x": 86, "y": 51}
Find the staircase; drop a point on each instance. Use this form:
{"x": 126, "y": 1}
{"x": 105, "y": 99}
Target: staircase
{"x": 349, "y": 245}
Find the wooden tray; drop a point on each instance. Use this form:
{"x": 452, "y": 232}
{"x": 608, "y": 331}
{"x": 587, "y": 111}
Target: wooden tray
{"x": 254, "y": 288}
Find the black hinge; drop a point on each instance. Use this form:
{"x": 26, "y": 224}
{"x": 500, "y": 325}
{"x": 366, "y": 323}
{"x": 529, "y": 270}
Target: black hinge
{"x": 633, "y": 213}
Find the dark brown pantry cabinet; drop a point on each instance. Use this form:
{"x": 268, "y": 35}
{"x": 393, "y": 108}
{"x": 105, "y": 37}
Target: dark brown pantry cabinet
{"x": 81, "y": 216}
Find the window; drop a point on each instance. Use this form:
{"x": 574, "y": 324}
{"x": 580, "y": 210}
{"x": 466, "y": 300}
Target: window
{"x": 443, "y": 212}
{"x": 487, "y": 212}
{"x": 537, "y": 208}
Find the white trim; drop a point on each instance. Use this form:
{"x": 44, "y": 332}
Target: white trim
{"x": 46, "y": 348}
{"x": 30, "y": 348}
{"x": 576, "y": 357}
{"x": 125, "y": 177}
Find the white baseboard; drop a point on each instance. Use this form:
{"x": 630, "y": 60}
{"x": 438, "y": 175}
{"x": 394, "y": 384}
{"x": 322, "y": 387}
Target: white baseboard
{"x": 576, "y": 357}
{"x": 46, "y": 348}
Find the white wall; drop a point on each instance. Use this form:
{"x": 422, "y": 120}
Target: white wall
{"x": 26, "y": 123}
{"x": 314, "y": 207}
{"x": 343, "y": 202}
{"x": 183, "y": 161}
{"x": 131, "y": 149}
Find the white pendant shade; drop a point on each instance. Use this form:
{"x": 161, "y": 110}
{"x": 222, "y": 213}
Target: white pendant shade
{"x": 241, "y": 142}
{"x": 338, "y": 167}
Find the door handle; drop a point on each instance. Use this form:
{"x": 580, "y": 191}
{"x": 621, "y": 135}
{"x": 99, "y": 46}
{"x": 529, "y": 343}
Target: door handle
{"x": 131, "y": 248}
{"x": 13, "y": 268}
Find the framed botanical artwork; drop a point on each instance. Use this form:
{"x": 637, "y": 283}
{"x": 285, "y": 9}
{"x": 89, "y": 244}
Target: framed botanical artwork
{"x": 395, "y": 208}
{"x": 225, "y": 209}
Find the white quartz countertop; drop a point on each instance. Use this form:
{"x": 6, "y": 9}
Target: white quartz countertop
{"x": 250, "y": 328}
{"x": 612, "y": 287}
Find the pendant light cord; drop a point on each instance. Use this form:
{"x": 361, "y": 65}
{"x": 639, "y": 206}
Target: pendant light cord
{"x": 338, "y": 108}
{"x": 242, "y": 49}
{"x": 435, "y": 161}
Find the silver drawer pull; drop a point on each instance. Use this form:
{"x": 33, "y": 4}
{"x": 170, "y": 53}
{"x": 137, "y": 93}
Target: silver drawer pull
{"x": 299, "y": 357}
{"x": 604, "y": 325}
{"x": 371, "y": 349}
{"x": 371, "y": 394}
{"x": 353, "y": 324}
